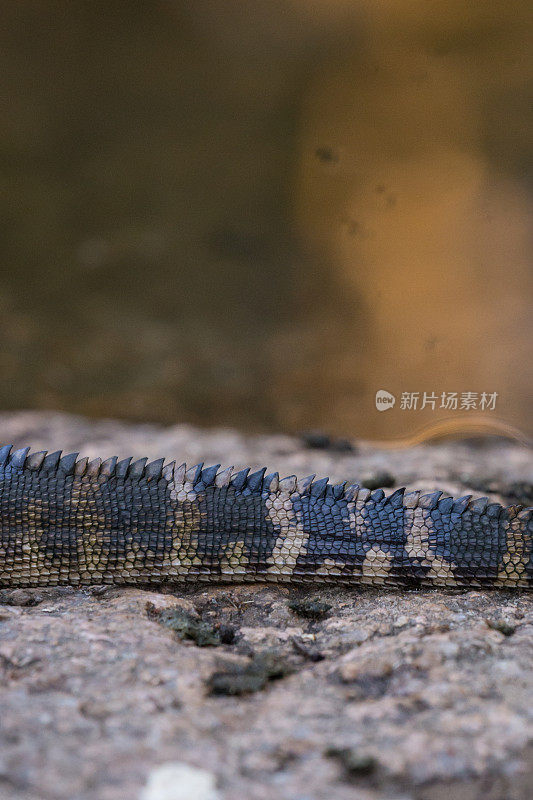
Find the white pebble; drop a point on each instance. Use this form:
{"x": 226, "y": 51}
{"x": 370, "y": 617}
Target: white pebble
{"x": 175, "y": 780}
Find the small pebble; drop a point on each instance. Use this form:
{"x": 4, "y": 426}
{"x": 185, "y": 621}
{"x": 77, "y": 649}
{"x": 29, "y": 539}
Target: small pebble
{"x": 175, "y": 780}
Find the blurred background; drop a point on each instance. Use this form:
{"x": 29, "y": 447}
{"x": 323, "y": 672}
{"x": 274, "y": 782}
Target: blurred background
{"x": 260, "y": 214}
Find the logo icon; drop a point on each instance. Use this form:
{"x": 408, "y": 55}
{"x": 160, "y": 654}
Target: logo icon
{"x": 384, "y": 400}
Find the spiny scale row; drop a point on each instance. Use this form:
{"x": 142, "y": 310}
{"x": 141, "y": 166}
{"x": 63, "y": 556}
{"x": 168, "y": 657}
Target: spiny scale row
{"x": 201, "y": 477}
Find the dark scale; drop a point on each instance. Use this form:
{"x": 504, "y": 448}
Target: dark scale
{"x": 329, "y": 537}
{"x": 474, "y": 543}
{"x": 142, "y": 529}
{"x": 225, "y": 516}
{"x": 44, "y": 511}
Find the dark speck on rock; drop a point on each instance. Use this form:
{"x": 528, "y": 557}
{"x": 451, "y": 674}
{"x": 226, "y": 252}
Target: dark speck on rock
{"x": 237, "y": 678}
{"x": 19, "y": 597}
{"x": 100, "y": 591}
{"x": 316, "y": 440}
{"x": 227, "y": 634}
{"x": 520, "y": 492}
{"x": 502, "y": 625}
{"x": 310, "y": 608}
{"x": 368, "y": 687}
{"x": 342, "y": 446}
{"x": 515, "y": 492}
{"x": 378, "y": 480}
{"x": 354, "y": 763}
{"x": 187, "y": 626}
{"x": 311, "y": 653}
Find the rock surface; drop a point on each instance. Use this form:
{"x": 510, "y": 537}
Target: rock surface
{"x": 272, "y": 692}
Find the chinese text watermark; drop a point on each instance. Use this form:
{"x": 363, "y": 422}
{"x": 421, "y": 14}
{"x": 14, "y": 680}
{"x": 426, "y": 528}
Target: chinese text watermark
{"x": 449, "y": 401}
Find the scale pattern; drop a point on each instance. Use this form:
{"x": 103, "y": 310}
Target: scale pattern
{"x": 65, "y": 520}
